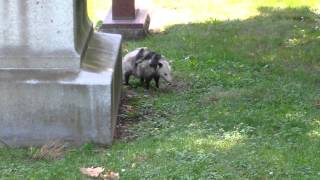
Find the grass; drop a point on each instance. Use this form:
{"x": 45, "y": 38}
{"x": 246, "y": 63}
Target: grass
{"x": 244, "y": 105}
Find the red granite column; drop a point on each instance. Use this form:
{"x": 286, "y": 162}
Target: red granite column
{"x": 125, "y": 19}
{"x": 123, "y": 9}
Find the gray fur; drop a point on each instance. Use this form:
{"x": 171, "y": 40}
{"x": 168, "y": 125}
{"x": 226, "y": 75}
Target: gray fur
{"x": 146, "y": 65}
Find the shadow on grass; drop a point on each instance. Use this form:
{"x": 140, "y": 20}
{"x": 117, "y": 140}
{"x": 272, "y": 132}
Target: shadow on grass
{"x": 277, "y": 31}
{"x": 255, "y": 81}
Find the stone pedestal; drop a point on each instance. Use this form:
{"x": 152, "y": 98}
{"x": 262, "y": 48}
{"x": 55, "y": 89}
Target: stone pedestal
{"x": 58, "y": 79}
{"x": 126, "y": 20}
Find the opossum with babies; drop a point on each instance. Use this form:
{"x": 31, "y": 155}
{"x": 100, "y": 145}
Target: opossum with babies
{"x": 146, "y": 65}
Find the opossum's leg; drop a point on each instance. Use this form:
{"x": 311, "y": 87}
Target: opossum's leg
{"x": 147, "y": 83}
{"x": 156, "y": 79}
{"x": 141, "y": 80}
{"x": 126, "y": 78}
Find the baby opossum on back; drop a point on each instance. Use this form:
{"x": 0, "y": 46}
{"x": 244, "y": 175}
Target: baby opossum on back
{"x": 146, "y": 65}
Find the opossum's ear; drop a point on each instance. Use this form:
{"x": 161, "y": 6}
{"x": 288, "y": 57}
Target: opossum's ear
{"x": 160, "y": 65}
{"x": 140, "y": 53}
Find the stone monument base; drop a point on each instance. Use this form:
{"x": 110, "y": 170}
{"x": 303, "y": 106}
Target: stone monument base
{"x": 130, "y": 29}
{"x": 77, "y": 106}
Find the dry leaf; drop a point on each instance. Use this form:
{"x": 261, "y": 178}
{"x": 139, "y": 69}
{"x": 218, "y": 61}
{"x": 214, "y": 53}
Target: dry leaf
{"x": 52, "y": 150}
{"x": 111, "y": 176}
{"x": 92, "y": 172}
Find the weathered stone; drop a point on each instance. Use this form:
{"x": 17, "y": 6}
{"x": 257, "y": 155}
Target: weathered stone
{"x": 43, "y": 34}
{"x": 58, "y": 79}
{"x": 78, "y": 106}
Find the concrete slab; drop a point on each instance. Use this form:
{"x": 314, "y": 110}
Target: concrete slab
{"x": 131, "y": 28}
{"x": 78, "y": 106}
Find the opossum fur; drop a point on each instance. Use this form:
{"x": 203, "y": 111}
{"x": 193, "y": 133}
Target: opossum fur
{"x": 146, "y": 65}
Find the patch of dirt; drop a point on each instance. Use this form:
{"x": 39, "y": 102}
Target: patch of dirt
{"x": 125, "y": 121}
{"x": 180, "y": 85}
{"x": 132, "y": 114}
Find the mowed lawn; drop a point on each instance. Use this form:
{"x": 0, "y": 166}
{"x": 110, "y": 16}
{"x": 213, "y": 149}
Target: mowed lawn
{"x": 245, "y": 103}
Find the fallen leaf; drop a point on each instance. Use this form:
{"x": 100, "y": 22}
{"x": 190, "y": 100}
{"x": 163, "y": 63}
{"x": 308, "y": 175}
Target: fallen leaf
{"x": 111, "y": 176}
{"x": 92, "y": 172}
{"x": 51, "y": 150}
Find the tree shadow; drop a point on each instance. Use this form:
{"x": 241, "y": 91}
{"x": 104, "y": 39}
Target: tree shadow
{"x": 275, "y": 31}
{"x": 274, "y": 57}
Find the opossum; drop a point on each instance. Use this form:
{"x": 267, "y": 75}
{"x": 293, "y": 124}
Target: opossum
{"x": 146, "y": 65}
{"x": 145, "y": 54}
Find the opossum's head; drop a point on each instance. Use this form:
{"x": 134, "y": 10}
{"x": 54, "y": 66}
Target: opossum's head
{"x": 164, "y": 70}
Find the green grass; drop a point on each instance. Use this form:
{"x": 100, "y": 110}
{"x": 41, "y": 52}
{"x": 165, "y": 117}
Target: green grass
{"x": 243, "y": 105}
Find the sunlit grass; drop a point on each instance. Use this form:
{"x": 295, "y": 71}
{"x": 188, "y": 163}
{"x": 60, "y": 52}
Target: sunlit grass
{"x": 223, "y": 142}
{"x": 186, "y": 11}
{"x": 244, "y": 104}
